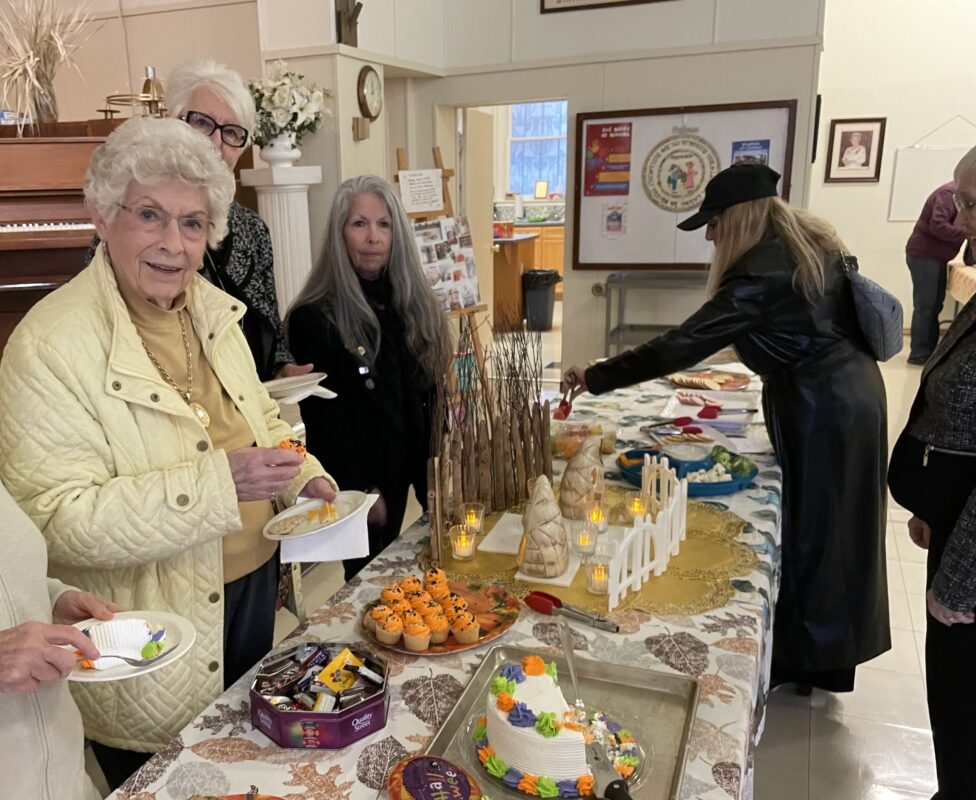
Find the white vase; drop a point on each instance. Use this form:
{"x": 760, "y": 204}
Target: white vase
{"x": 281, "y": 151}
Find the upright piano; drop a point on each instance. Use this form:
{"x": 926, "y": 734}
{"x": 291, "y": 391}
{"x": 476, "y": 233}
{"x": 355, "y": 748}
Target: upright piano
{"x": 45, "y": 229}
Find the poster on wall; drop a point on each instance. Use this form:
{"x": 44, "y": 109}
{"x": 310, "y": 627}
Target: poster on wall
{"x": 447, "y": 258}
{"x": 607, "y": 168}
{"x": 671, "y": 155}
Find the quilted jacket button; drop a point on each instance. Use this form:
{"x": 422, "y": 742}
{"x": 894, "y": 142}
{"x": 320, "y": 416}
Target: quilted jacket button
{"x": 233, "y": 308}
{"x": 116, "y": 385}
{"x": 213, "y": 666}
{"x": 240, "y": 397}
{"x": 202, "y": 446}
{"x": 214, "y": 597}
{"x": 154, "y": 397}
{"x": 210, "y": 335}
{"x": 182, "y": 500}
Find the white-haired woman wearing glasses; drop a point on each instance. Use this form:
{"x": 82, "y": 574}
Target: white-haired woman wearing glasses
{"x": 213, "y": 100}
{"x": 135, "y": 433}
{"x": 368, "y": 317}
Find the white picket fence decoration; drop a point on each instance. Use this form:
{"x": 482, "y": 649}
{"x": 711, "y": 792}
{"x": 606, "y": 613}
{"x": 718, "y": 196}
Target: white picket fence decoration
{"x": 654, "y": 538}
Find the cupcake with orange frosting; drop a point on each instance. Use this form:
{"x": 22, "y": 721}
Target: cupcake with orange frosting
{"x": 430, "y": 607}
{"x": 452, "y": 613}
{"x": 418, "y": 598}
{"x": 435, "y": 575}
{"x": 391, "y": 593}
{"x": 410, "y": 616}
{"x": 389, "y": 629}
{"x": 465, "y": 628}
{"x": 400, "y": 606}
{"x": 416, "y": 636}
{"x": 440, "y": 628}
{"x": 375, "y": 614}
{"x": 454, "y": 599}
{"x": 411, "y": 584}
{"x": 438, "y": 591}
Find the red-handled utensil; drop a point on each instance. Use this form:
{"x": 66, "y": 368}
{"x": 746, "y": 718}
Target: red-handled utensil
{"x": 546, "y": 603}
{"x": 565, "y": 405}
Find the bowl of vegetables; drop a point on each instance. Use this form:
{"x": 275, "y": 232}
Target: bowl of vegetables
{"x": 720, "y": 472}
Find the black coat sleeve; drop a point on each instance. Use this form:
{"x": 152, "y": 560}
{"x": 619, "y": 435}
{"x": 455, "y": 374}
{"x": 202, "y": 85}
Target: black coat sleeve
{"x": 333, "y": 433}
{"x": 735, "y": 309}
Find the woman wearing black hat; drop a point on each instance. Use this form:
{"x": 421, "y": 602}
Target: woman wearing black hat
{"x": 778, "y": 294}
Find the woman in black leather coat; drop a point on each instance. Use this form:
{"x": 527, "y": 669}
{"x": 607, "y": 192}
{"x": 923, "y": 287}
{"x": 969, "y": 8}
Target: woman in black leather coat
{"x": 778, "y": 294}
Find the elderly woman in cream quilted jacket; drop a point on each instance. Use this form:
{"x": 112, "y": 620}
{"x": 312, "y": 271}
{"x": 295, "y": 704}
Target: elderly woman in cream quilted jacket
{"x": 135, "y": 433}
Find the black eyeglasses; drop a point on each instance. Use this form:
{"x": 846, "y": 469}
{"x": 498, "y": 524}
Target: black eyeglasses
{"x": 234, "y": 135}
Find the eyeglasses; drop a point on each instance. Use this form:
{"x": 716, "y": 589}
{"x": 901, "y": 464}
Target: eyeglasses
{"x": 155, "y": 220}
{"x": 962, "y": 204}
{"x": 234, "y": 135}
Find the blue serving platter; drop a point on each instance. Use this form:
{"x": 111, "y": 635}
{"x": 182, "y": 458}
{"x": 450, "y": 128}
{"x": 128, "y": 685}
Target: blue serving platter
{"x": 632, "y": 473}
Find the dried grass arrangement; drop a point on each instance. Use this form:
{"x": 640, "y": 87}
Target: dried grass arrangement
{"x": 37, "y": 38}
{"x": 490, "y": 432}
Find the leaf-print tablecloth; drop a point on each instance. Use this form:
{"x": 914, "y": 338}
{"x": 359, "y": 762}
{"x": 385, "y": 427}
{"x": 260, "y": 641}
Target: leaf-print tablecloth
{"x": 726, "y": 649}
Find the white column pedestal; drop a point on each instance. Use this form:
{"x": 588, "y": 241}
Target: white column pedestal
{"x": 283, "y": 205}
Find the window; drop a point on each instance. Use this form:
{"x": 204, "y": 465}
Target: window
{"x": 537, "y": 147}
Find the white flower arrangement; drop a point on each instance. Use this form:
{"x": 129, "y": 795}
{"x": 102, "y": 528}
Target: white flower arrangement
{"x": 286, "y": 104}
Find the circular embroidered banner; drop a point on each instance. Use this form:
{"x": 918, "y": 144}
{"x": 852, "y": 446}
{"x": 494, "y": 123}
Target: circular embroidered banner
{"x": 676, "y": 170}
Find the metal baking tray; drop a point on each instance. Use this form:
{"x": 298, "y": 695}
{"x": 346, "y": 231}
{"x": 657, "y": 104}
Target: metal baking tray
{"x": 658, "y": 707}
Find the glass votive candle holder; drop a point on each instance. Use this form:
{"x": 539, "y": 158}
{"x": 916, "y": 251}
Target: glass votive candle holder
{"x": 597, "y": 513}
{"x": 635, "y": 504}
{"x": 473, "y": 515}
{"x": 462, "y": 542}
{"x": 584, "y": 535}
{"x": 597, "y": 568}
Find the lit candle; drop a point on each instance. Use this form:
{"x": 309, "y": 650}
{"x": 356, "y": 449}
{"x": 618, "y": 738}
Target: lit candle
{"x": 462, "y": 542}
{"x": 598, "y": 570}
{"x": 584, "y": 537}
{"x": 596, "y": 513}
{"x": 473, "y": 515}
{"x": 636, "y": 504}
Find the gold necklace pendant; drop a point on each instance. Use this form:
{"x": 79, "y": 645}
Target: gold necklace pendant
{"x": 200, "y": 412}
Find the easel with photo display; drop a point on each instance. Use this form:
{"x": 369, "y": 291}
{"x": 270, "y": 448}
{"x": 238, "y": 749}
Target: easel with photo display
{"x": 466, "y": 320}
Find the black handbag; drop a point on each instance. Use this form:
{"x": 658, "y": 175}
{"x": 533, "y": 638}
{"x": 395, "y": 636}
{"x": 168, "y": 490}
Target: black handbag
{"x": 879, "y": 313}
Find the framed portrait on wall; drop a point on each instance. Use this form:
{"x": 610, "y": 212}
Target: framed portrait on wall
{"x": 639, "y": 172}
{"x": 854, "y": 150}
{"x": 549, "y": 6}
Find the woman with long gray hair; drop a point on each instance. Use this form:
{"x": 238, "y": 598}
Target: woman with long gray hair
{"x": 368, "y": 318}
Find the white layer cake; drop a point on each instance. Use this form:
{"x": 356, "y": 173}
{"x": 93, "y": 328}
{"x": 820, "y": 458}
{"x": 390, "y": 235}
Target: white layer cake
{"x": 560, "y": 757}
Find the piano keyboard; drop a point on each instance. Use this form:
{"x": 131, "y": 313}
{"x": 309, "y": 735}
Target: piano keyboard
{"x": 34, "y": 227}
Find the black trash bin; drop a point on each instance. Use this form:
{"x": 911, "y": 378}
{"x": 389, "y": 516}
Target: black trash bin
{"x": 539, "y": 294}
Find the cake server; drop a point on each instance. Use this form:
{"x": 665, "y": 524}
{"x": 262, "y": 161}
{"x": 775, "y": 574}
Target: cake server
{"x": 566, "y": 633}
{"x": 546, "y": 603}
{"x": 606, "y": 782}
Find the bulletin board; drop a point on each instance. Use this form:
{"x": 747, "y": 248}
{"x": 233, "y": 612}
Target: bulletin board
{"x": 640, "y": 172}
{"x": 918, "y": 172}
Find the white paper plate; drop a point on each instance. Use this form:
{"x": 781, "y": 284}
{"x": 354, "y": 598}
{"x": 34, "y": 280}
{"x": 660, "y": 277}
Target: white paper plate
{"x": 282, "y": 387}
{"x": 346, "y": 503}
{"x": 180, "y": 635}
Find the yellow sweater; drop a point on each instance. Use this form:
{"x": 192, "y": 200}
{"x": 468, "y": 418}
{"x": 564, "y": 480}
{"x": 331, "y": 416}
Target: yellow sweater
{"x": 245, "y": 550}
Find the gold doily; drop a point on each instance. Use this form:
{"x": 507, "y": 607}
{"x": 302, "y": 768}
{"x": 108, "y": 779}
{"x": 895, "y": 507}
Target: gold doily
{"x": 697, "y": 579}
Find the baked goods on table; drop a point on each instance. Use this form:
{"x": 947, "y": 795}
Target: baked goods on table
{"x": 711, "y": 380}
{"x": 417, "y": 622}
{"x": 431, "y": 778}
{"x": 532, "y": 741}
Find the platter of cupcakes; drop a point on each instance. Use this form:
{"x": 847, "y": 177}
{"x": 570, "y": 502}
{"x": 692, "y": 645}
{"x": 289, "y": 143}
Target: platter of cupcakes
{"x": 434, "y": 616}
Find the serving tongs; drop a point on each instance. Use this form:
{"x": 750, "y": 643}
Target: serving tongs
{"x": 546, "y": 603}
{"x": 565, "y": 407}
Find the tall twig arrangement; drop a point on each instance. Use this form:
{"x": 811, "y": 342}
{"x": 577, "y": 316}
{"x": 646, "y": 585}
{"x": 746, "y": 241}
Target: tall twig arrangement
{"x": 37, "y": 37}
{"x": 491, "y": 433}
